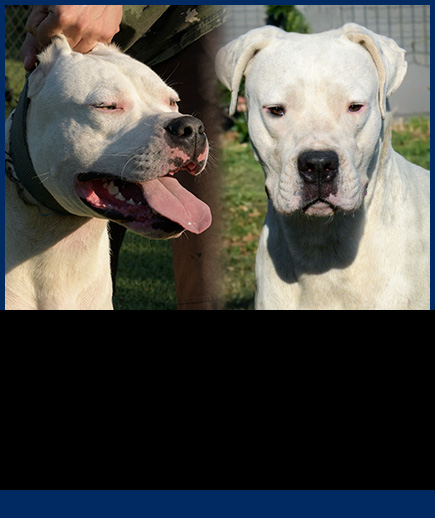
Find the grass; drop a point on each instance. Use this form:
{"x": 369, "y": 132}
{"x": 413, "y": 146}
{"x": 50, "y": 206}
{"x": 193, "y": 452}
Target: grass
{"x": 16, "y": 77}
{"x": 245, "y": 201}
{"x": 411, "y": 139}
{"x": 145, "y": 278}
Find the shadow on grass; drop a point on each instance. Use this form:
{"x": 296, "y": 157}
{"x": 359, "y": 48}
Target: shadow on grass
{"x": 239, "y": 303}
{"x": 145, "y": 277}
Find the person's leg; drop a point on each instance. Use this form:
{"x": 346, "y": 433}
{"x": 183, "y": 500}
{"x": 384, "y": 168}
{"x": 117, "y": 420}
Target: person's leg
{"x": 196, "y": 258}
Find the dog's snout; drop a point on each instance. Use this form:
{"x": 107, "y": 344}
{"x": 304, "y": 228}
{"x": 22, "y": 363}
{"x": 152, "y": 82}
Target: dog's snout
{"x": 185, "y": 128}
{"x": 318, "y": 166}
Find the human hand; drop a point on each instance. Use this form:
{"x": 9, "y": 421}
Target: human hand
{"x": 83, "y": 26}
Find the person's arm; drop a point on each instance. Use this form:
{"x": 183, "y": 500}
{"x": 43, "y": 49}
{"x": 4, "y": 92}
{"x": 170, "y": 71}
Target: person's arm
{"x": 83, "y": 26}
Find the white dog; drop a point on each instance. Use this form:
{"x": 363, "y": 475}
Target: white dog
{"x": 104, "y": 140}
{"x": 347, "y": 225}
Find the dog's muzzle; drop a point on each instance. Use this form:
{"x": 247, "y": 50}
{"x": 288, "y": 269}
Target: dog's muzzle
{"x": 318, "y": 170}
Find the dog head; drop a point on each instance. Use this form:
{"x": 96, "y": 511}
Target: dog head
{"x": 316, "y": 110}
{"x": 106, "y": 138}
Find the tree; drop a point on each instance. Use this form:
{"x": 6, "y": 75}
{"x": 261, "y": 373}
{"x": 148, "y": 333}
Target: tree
{"x": 288, "y": 17}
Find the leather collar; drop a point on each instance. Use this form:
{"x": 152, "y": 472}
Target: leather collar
{"x": 21, "y": 160}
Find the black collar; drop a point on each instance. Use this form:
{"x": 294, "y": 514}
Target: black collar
{"x": 21, "y": 160}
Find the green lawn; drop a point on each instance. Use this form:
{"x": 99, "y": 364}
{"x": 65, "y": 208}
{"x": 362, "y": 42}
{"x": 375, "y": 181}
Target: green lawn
{"x": 145, "y": 277}
{"x": 246, "y": 203}
{"x": 16, "y": 77}
{"x": 412, "y": 140}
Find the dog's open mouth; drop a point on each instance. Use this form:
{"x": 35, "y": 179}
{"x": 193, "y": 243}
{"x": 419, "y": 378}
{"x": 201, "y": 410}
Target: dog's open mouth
{"x": 155, "y": 207}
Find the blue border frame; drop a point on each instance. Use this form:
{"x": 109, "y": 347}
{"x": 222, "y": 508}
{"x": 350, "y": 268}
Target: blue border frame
{"x": 218, "y": 503}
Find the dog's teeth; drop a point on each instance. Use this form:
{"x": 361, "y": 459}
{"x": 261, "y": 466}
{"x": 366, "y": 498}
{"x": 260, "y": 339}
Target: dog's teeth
{"x": 120, "y": 197}
{"x": 131, "y": 202}
{"x": 112, "y": 188}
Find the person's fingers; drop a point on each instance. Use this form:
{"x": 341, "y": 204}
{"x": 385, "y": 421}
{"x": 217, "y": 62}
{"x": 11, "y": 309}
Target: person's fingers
{"x": 29, "y": 50}
{"x": 43, "y": 24}
{"x": 99, "y": 25}
{"x": 82, "y": 25}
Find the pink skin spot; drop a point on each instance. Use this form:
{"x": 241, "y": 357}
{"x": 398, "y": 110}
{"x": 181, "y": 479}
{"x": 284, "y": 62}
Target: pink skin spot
{"x": 180, "y": 154}
{"x": 203, "y": 156}
{"x": 188, "y": 163}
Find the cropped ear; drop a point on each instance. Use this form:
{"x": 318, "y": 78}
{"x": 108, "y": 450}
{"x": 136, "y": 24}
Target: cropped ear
{"x": 58, "y": 48}
{"x": 388, "y": 57}
{"x": 232, "y": 60}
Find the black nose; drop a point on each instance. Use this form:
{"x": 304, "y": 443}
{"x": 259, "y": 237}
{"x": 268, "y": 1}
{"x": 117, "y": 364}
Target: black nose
{"x": 318, "y": 166}
{"x": 185, "y": 128}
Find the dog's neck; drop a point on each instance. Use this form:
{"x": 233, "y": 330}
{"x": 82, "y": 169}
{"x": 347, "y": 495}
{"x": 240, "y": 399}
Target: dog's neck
{"x": 315, "y": 244}
{"x": 47, "y": 249}
{"x": 54, "y": 260}
{"x": 31, "y": 226}
{"x": 19, "y": 154}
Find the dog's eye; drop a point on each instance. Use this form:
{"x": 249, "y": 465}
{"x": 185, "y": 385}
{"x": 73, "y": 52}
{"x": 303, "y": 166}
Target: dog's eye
{"x": 276, "y": 111}
{"x": 105, "y": 106}
{"x": 355, "y": 107}
{"x": 173, "y": 103}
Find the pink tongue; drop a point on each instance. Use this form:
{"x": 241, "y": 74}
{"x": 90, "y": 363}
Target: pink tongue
{"x": 167, "y": 197}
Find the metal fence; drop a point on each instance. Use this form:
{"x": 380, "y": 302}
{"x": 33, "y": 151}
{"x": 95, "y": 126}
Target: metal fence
{"x": 409, "y": 25}
{"x": 15, "y": 29}
{"x": 15, "y": 32}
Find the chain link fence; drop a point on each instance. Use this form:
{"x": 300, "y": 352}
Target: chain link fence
{"x": 15, "y": 32}
{"x": 409, "y": 25}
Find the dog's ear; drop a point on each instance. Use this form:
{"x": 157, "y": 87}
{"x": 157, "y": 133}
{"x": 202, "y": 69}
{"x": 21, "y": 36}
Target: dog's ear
{"x": 388, "y": 57}
{"x": 232, "y": 60}
{"x": 59, "y": 48}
